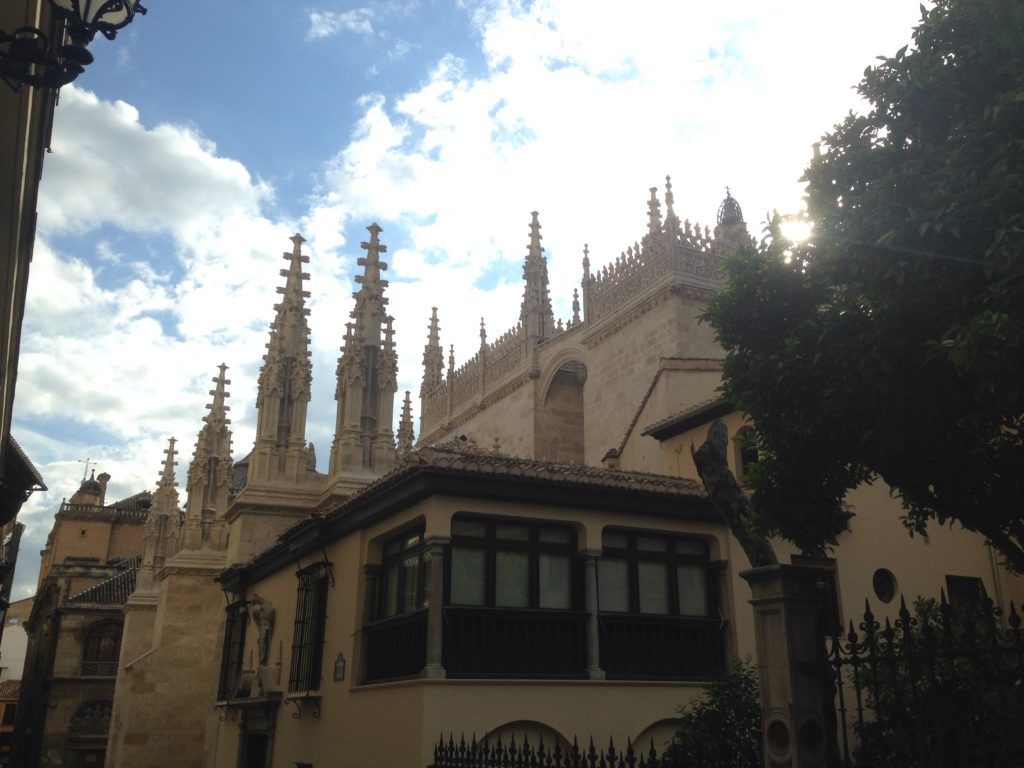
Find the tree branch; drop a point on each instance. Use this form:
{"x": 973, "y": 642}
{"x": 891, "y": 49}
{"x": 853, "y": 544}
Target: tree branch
{"x": 726, "y": 496}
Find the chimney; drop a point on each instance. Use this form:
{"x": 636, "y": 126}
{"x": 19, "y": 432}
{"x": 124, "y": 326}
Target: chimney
{"x": 103, "y": 479}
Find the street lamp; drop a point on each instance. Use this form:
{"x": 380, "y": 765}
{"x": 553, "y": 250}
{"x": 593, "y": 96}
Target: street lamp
{"x": 28, "y": 56}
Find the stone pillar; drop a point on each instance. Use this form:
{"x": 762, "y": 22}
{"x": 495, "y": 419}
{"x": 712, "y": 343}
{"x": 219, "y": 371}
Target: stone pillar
{"x": 590, "y": 558}
{"x": 791, "y": 663}
{"x": 435, "y": 616}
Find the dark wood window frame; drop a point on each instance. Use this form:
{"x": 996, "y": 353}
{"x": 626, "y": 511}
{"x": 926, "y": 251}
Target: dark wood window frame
{"x": 673, "y": 556}
{"x": 664, "y": 644}
{"x": 310, "y": 623}
{"x": 530, "y": 633}
{"x": 492, "y": 543}
{"x": 394, "y": 588}
{"x": 236, "y": 622}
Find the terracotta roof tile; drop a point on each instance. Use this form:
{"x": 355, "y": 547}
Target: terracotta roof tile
{"x": 466, "y": 456}
{"x": 713, "y": 404}
{"x": 113, "y": 591}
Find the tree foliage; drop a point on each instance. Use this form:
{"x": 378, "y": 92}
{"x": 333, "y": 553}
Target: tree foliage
{"x": 891, "y": 344}
{"x": 721, "y": 728}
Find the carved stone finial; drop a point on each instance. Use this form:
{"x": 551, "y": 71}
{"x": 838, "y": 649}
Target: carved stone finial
{"x": 653, "y": 213}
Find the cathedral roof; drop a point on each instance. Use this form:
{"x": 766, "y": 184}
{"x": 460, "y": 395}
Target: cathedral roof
{"x": 112, "y": 591}
{"x": 141, "y": 500}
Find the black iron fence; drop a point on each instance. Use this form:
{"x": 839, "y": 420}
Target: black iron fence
{"x": 523, "y": 754}
{"x": 942, "y": 686}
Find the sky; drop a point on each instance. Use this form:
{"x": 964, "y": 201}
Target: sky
{"x": 206, "y": 134}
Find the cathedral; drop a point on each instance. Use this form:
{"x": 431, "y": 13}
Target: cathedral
{"x": 542, "y": 562}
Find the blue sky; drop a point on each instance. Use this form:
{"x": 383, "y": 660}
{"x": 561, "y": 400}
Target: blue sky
{"x": 207, "y": 133}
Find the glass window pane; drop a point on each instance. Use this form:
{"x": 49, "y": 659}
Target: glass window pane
{"x": 512, "y": 579}
{"x": 615, "y": 540}
{"x": 613, "y": 584}
{"x": 554, "y": 581}
{"x": 653, "y": 582}
{"x": 555, "y": 535}
{"x": 468, "y": 576}
{"x": 512, "y": 532}
{"x": 691, "y": 547}
{"x": 413, "y": 540}
{"x": 410, "y": 584}
{"x": 693, "y": 590}
{"x": 651, "y": 543}
{"x": 391, "y": 590}
{"x": 469, "y": 528}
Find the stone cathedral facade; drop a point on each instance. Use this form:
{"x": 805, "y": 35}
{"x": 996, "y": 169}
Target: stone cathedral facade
{"x": 542, "y": 561}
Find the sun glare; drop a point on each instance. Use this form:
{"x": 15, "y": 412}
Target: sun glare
{"x": 796, "y": 230}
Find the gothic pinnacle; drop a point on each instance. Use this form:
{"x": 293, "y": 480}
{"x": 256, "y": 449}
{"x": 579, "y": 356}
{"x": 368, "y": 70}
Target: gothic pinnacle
{"x": 671, "y": 220}
{"x": 167, "y": 473}
{"x": 653, "y": 213}
{"x": 218, "y": 409}
{"x": 535, "y": 237}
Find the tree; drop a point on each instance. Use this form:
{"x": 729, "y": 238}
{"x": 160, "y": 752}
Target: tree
{"x": 891, "y": 344}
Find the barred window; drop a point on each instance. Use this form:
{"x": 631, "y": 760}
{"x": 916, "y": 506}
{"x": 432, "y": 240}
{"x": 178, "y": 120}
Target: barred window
{"x": 310, "y": 621}
{"x": 647, "y": 573}
{"x": 234, "y": 644}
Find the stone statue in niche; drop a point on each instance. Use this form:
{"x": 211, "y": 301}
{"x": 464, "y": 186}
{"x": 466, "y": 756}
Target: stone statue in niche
{"x": 261, "y": 613}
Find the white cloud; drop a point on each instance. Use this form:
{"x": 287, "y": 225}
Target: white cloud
{"x": 585, "y": 105}
{"x": 324, "y": 24}
{"x": 581, "y": 108}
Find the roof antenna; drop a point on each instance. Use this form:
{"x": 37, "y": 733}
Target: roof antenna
{"x": 87, "y": 461}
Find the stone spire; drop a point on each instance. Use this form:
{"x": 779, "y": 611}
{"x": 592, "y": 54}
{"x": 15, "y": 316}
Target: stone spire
{"x": 367, "y": 372}
{"x": 433, "y": 356}
{"x": 209, "y": 474}
{"x": 671, "y": 220}
{"x": 536, "y": 316}
{"x": 653, "y": 214}
{"x": 406, "y": 436}
{"x": 160, "y": 535}
{"x": 279, "y": 455}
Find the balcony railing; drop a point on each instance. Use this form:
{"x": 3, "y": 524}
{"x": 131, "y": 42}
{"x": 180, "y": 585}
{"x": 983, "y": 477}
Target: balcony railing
{"x": 99, "y": 668}
{"x": 499, "y": 642}
{"x": 637, "y": 647}
{"x": 396, "y": 647}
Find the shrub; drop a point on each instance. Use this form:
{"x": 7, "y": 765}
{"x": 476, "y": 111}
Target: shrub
{"x": 721, "y": 728}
